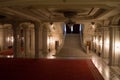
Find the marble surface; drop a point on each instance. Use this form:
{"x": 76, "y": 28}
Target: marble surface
{"x": 108, "y": 72}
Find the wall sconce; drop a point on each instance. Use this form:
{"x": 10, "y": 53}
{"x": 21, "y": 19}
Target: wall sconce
{"x": 96, "y": 41}
{"x": 10, "y": 40}
{"x": 52, "y": 26}
{"x": 51, "y": 23}
{"x": 100, "y": 42}
{"x": 93, "y": 24}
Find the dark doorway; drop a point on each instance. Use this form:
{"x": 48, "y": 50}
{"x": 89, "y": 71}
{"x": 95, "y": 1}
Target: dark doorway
{"x": 68, "y": 29}
{"x": 76, "y": 28}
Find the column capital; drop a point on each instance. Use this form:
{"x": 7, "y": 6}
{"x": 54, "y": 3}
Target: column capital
{"x": 25, "y": 26}
{"x": 37, "y": 25}
{"x": 16, "y": 26}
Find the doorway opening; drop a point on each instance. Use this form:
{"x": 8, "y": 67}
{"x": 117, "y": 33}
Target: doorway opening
{"x": 73, "y": 29}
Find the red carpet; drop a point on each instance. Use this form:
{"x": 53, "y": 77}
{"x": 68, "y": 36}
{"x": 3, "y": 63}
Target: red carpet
{"x": 48, "y": 69}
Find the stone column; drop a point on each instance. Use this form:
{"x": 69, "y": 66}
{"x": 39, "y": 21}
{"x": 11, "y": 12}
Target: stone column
{"x": 104, "y": 44}
{"x": 40, "y": 40}
{"x": 44, "y": 46}
{"x": 32, "y": 41}
{"x": 37, "y": 46}
{"x": 117, "y": 46}
{"x": 102, "y": 53}
{"x": 17, "y": 40}
{"x": 111, "y": 48}
{"x": 97, "y": 46}
{"x": 26, "y": 40}
{"x": 2, "y": 37}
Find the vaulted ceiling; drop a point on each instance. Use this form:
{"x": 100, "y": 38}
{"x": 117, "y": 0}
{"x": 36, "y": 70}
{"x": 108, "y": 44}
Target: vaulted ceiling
{"x": 57, "y": 10}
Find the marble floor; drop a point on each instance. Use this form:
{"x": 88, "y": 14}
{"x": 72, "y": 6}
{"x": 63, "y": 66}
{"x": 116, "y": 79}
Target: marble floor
{"x": 108, "y": 72}
{"x": 72, "y": 50}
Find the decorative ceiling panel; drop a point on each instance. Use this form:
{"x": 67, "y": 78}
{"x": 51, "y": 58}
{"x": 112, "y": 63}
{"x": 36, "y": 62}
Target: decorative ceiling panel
{"x": 58, "y": 10}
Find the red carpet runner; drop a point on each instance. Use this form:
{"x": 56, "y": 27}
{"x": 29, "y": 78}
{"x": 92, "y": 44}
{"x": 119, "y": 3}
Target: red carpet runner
{"x": 48, "y": 69}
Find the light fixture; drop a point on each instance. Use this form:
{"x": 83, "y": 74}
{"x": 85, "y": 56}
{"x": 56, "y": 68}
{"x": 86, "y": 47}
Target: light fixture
{"x": 70, "y": 23}
{"x": 51, "y": 23}
{"x": 10, "y": 40}
{"x": 52, "y": 26}
{"x": 93, "y": 24}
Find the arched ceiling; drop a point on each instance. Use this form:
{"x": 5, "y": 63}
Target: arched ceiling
{"x": 57, "y": 10}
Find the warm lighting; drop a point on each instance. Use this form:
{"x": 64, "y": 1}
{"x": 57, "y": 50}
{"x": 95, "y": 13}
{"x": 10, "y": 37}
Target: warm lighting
{"x": 52, "y": 26}
{"x": 96, "y": 41}
{"x": 51, "y": 23}
{"x": 100, "y": 68}
{"x": 51, "y": 57}
{"x": 97, "y": 65}
{"x": 107, "y": 41}
{"x": 22, "y": 38}
{"x": 107, "y": 71}
{"x": 72, "y": 28}
{"x": 117, "y": 45}
{"x": 51, "y": 42}
{"x": 51, "y": 54}
{"x": 10, "y": 40}
{"x": 9, "y": 56}
{"x": 93, "y": 25}
{"x": 100, "y": 42}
